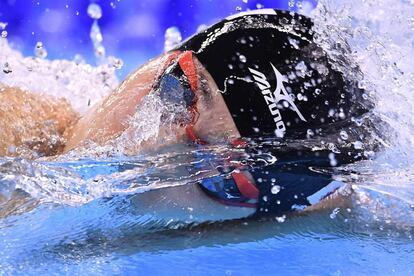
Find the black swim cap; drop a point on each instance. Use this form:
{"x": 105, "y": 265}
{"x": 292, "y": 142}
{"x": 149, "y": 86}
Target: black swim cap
{"x": 274, "y": 78}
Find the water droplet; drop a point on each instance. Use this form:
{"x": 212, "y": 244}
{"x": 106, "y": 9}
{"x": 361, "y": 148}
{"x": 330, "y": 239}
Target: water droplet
{"x": 281, "y": 219}
{"x": 115, "y": 62}
{"x": 344, "y": 135}
{"x": 259, "y": 6}
{"x": 334, "y": 213}
{"x": 309, "y": 133}
{"x": 40, "y": 51}
{"x": 97, "y": 38}
{"x": 3, "y": 25}
{"x": 291, "y": 3}
{"x": 100, "y": 51}
{"x": 172, "y": 38}
{"x": 275, "y": 189}
{"x": 95, "y": 34}
{"x": 362, "y": 84}
{"x": 245, "y": 1}
{"x": 78, "y": 59}
{"x": 94, "y": 11}
{"x": 264, "y": 198}
{"x": 6, "y": 68}
{"x": 298, "y": 207}
{"x": 358, "y": 145}
{"x": 238, "y": 8}
{"x": 4, "y": 34}
{"x": 358, "y": 121}
{"x": 11, "y": 148}
{"x": 201, "y": 28}
{"x": 242, "y": 58}
{"x": 332, "y": 160}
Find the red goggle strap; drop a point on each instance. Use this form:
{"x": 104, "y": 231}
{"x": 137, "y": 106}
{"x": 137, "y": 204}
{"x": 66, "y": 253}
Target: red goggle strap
{"x": 245, "y": 186}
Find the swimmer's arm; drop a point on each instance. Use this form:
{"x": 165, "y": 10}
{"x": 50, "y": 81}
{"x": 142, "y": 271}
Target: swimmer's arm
{"x": 111, "y": 117}
{"x": 31, "y": 124}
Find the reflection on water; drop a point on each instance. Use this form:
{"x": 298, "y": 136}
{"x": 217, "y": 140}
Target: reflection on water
{"x": 98, "y": 212}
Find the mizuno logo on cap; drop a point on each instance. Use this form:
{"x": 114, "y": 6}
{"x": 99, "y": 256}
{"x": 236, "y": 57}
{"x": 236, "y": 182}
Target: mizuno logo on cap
{"x": 273, "y": 98}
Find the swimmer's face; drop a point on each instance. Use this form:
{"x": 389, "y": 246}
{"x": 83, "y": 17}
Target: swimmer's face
{"x": 205, "y": 107}
{"x": 112, "y": 117}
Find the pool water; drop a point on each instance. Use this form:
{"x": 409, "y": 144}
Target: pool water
{"x": 86, "y": 213}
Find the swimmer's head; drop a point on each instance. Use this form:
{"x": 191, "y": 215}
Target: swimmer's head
{"x": 273, "y": 77}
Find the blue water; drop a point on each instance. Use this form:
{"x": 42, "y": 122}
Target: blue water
{"x": 113, "y": 235}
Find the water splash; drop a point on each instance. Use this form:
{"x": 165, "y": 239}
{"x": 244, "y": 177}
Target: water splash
{"x": 377, "y": 50}
{"x": 371, "y": 42}
{"x": 95, "y": 12}
{"x": 172, "y": 38}
{"x": 81, "y": 84}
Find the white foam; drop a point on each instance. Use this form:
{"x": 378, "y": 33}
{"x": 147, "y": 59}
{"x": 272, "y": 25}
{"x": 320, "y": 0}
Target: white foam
{"x": 82, "y": 84}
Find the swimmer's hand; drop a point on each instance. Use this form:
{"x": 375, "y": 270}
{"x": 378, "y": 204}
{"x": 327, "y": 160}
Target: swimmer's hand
{"x": 33, "y": 125}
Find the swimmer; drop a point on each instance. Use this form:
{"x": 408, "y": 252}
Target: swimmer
{"x": 254, "y": 76}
